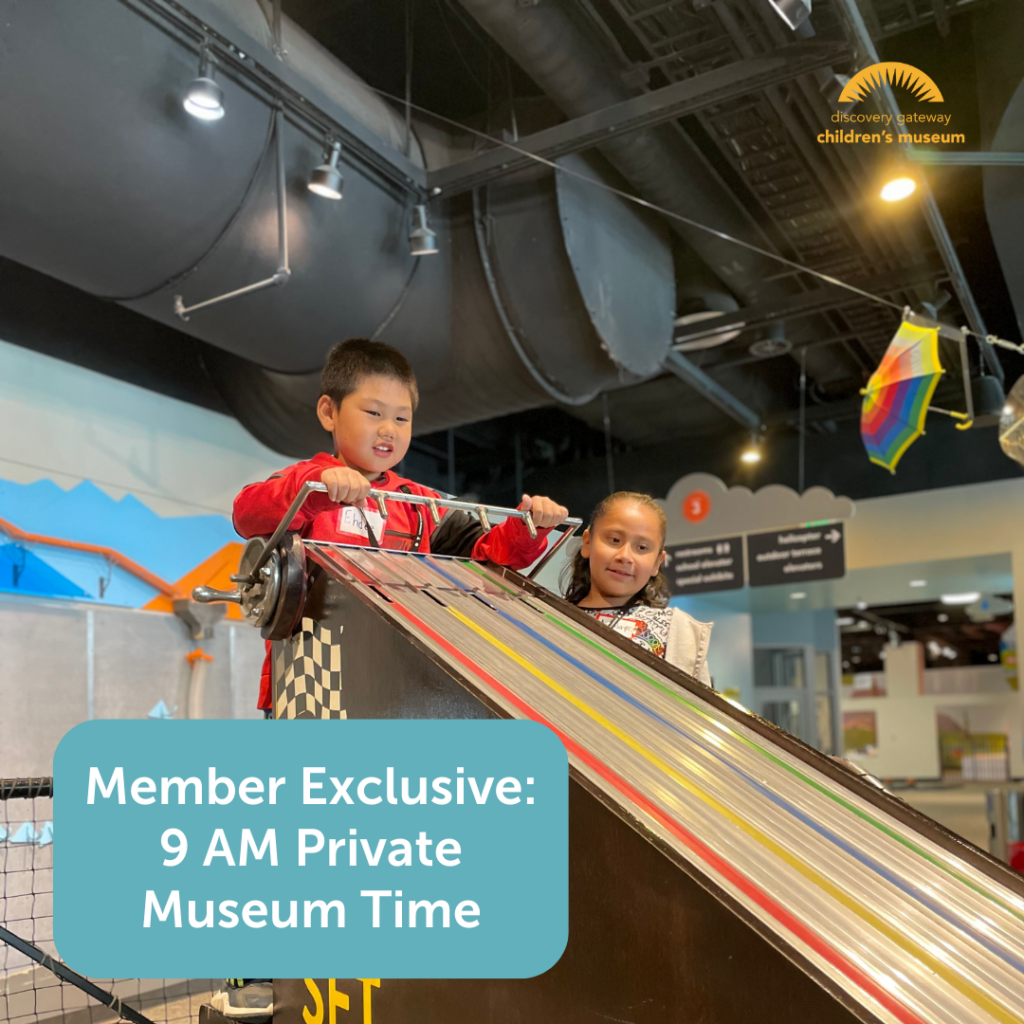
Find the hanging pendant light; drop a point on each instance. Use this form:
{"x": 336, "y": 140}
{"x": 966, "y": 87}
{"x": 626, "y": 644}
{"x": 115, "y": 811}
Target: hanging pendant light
{"x": 422, "y": 240}
{"x": 327, "y": 179}
{"x": 204, "y": 98}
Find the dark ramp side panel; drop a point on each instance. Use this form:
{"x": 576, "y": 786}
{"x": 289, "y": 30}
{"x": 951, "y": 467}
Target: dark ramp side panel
{"x": 648, "y": 943}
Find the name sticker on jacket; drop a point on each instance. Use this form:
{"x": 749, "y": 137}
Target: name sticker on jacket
{"x": 350, "y": 520}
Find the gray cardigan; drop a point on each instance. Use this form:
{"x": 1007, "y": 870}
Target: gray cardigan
{"x": 687, "y": 646}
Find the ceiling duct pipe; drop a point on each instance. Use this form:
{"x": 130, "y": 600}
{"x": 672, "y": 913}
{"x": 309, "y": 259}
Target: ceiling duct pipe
{"x": 661, "y": 163}
{"x": 663, "y": 166}
{"x": 167, "y": 205}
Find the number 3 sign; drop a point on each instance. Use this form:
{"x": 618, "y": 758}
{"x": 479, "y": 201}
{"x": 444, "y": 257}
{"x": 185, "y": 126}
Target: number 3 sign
{"x": 696, "y": 506}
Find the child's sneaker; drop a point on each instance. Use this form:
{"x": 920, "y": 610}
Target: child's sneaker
{"x": 248, "y": 999}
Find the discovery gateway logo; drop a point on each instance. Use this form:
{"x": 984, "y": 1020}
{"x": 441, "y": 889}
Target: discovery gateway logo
{"x": 890, "y": 128}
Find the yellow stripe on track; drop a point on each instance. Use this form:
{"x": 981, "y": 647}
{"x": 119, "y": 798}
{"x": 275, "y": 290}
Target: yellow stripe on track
{"x": 951, "y": 977}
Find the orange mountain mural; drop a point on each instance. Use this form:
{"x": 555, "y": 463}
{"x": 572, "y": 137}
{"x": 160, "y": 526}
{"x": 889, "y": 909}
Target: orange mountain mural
{"x": 214, "y": 572}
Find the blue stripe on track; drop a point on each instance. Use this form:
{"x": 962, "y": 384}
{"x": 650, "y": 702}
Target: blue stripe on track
{"x": 779, "y": 801}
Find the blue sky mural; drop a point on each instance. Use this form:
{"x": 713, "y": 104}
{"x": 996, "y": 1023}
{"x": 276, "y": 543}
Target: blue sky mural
{"x": 168, "y": 547}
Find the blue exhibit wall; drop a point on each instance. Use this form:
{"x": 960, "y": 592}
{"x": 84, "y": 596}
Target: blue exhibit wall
{"x": 168, "y": 547}
{"x": 91, "y": 460}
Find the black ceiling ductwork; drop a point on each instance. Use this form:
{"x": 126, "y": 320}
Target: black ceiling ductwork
{"x": 168, "y": 205}
{"x": 580, "y": 72}
{"x": 664, "y": 167}
{"x": 613, "y": 277}
{"x": 544, "y": 290}
{"x": 661, "y": 163}
{"x": 645, "y": 111}
{"x": 155, "y": 188}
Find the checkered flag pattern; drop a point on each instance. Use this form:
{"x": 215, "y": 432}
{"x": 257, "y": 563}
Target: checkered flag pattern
{"x": 307, "y": 673}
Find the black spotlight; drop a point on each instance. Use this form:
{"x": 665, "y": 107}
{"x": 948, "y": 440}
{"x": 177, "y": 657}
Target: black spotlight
{"x": 326, "y": 180}
{"x": 989, "y": 399}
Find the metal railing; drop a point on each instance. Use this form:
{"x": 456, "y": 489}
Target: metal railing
{"x": 381, "y": 498}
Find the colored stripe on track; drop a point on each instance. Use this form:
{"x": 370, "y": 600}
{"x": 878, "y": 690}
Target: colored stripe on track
{"x": 779, "y": 762}
{"x": 713, "y": 860}
{"x": 868, "y": 862}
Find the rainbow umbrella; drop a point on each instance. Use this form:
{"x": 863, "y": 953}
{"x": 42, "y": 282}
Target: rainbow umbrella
{"x": 898, "y": 394}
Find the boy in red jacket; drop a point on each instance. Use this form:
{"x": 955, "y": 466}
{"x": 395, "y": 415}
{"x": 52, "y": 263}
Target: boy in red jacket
{"x": 369, "y": 395}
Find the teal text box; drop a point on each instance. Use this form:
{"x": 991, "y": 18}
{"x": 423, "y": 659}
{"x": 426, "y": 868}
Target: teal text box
{"x": 505, "y": 901}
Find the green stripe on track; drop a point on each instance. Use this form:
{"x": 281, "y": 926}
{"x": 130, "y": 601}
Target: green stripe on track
{"x": 863, "y": 815}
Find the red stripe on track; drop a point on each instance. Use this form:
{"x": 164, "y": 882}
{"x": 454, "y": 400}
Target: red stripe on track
{"x": 705, "y": 853}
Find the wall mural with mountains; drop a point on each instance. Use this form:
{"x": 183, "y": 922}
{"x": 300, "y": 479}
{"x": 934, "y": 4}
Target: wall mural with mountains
{"x": 83, "y": 545}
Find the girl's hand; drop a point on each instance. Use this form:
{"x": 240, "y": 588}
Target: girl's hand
{"x": 345, "y": 485}
{"x": 546, "y": 513}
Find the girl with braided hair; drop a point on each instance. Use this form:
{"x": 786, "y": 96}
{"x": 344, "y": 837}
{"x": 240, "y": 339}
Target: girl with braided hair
{"x": 616, "y": 577}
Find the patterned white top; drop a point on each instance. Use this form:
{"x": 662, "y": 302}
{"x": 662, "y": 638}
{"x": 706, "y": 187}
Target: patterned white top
{"x": 643, "y": 624}
{"x": 667, "y": 633}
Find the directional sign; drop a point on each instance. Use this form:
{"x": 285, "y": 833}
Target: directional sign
{"x": 705, "y": 565}
{"x": 799, "y": 555}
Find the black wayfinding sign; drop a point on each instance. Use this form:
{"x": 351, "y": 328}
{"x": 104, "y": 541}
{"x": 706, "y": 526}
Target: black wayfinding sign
{"x": 798, "y": 555}
{"x": 705, "y": 565}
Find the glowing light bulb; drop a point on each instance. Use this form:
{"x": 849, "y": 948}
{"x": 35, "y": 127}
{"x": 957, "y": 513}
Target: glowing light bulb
{"x": 897, "y": 189}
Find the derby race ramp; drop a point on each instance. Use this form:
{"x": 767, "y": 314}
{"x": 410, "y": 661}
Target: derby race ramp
{"x": 720, "y": 871}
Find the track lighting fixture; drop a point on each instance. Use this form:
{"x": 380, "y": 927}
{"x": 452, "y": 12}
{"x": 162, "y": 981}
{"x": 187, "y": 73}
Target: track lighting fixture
{"x": 422, "y": 240}
{"x": 327, "y": 180}
{"x": 752, "y": 454}
{"x": 204, "y": 98}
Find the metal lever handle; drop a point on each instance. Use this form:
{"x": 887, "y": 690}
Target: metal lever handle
{"x": 207, "y": 595}
{"x": 530, "y": 528}
{"x": 570, "y": 529}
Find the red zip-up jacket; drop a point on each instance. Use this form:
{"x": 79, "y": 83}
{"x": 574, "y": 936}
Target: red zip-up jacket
{"x": 260, "y": 507}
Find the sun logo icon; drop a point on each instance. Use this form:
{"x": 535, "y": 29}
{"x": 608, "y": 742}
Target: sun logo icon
{"x": 905, "y": 75}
